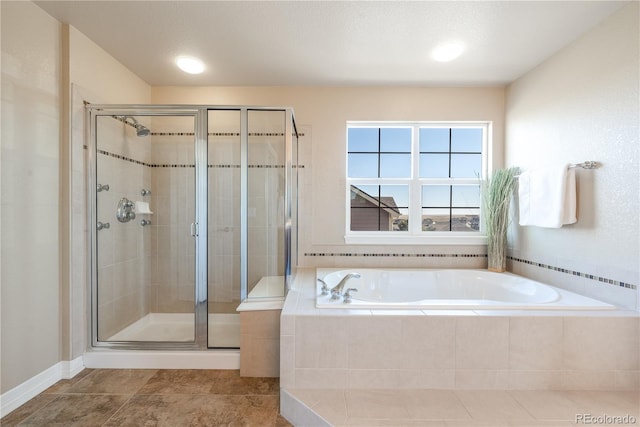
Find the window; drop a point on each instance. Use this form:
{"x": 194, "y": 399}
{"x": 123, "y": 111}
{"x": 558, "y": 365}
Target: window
{"x": 415, "y": 182}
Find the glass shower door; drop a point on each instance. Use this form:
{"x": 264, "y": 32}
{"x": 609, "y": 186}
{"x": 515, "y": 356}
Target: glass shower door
{"x": 224, "y": 227}
{"x": 144, "y": 248}
{"x": 266, "y": 194}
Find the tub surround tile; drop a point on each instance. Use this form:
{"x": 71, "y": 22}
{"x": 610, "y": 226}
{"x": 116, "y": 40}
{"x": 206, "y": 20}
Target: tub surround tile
{"x": 482, "y": 343}
{"x": 449, "y": 312}
{"x": 481, "y": 379}
{"x": 548, "y": 405}
{"x": 332, "y": 406}
{"x": 601, "y": 344}
{"x": 433, "y": 338}
{"x": 435, "y": 405}
{"x": 536, "y": 380}
{"x": 589, "y": 380}
{"x": 321, "y": 342}
{"x": 400, "y": 379}
{"x": 625, "y": 380}
{"x": 321, "y": 378}
{"x": 387, "y": 407}
{"x": 287, "y": 361}
{"x": 298, "y": 413}
{"x": 376, "y": 404}
{"x": 373, "y": 343}
{"x": 535, "y": 343}
{"x": 369, "y": 422}
{"x": 460, "y": 349}
{"x": 613, "y": 403}
{"x": 493, "y": 405}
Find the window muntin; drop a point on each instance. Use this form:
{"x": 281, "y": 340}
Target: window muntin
{"x": 379, "y": 207}
{"x": 417, "y": 179}
{"x": 451, "y": 208}
{"x": 379, "y": 152}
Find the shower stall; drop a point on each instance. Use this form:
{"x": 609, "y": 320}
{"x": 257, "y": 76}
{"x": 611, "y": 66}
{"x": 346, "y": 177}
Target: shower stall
{"x": 192, "y": 210}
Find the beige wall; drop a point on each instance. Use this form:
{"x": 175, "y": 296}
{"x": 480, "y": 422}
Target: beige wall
{"x": 583, "y": 104}
{"x": 95, "y": 77}
{"x": 103, "y": 79}
{"x": 321, "y": 113}
{"x": 30, "y": 166}
{"x": 43, "y": 253}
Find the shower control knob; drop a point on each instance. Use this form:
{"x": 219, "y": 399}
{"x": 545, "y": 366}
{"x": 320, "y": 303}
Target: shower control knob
{"x": 101, "y": 187}
{"x": 102, "y": 225}
{"x": 144, "y": 222}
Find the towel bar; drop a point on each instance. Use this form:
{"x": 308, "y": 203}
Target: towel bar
{"x": 589, "y": 164}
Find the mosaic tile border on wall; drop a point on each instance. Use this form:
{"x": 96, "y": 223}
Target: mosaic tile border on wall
{"x": 346, "y": 254}
{"x": 189, "y": 165}
{"x": 599, "y": 279}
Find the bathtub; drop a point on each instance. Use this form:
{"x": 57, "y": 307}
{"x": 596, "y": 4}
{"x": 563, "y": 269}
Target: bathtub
{"x": 425, "y": 289}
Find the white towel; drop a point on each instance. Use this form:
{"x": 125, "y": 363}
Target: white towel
{"x": 547, "y": 197}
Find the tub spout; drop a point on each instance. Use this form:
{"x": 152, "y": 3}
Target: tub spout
{"x": 336, "y": 291}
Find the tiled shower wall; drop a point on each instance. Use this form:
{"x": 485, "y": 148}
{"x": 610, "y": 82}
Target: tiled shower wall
{"x": 265, "y": 207}
{"x": 172, "y": 199}
{"x": 152, "y": 268}
{"x": 224, "y": 222}
{"x": 124, "y": 256}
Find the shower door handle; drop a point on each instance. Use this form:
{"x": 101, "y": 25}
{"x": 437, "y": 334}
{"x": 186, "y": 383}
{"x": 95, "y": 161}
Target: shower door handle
{"x": 194, "y": 229}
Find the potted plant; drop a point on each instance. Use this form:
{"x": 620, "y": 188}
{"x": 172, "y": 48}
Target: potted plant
{"x": 497, "y": 192}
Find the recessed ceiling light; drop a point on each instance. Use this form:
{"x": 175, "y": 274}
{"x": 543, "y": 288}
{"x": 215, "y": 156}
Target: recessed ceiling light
{"x": 190, "y": 65}
{"x": 447, "y": 51}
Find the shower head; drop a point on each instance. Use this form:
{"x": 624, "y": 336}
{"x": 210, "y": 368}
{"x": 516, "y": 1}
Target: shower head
{"x": 141, "y": 130}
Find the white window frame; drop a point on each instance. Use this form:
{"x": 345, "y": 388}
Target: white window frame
{"x": 415, "y": 235}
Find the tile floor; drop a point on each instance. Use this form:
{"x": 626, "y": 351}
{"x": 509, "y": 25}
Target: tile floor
{"x": 152, "y": 397}
{"x": 469, "y": 408}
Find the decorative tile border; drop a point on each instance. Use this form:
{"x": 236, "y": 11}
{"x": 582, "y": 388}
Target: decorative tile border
{"x": 346, "y": 254}
{"x": 190, "y": 165}
{"x": 600, "y": 279}
{"x": 575, "y": 273}
{"x": 217, "y": 134}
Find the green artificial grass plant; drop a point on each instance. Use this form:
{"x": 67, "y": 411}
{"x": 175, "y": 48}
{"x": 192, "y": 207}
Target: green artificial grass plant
{"x": 496, "y": 198}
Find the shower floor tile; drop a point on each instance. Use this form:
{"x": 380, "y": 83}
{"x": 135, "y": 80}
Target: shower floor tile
{"x": 165, "y": 397}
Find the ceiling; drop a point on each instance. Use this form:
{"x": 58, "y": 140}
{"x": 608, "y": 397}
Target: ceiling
{"x": 331, "y": 42}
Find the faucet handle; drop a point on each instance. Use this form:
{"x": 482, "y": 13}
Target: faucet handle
{"x": 347, "y": 295}
{"x": 325, "y": 288}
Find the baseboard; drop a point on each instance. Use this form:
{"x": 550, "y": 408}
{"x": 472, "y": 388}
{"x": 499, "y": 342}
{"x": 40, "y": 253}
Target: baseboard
{"x": 35, "y": 385}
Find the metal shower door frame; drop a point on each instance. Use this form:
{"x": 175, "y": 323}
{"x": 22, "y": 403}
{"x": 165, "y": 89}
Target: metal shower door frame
{"x": 200, "y": 115}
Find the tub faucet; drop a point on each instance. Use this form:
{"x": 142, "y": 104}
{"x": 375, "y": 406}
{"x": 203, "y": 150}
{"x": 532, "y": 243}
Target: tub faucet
{"x": 325, "y": 288}
{"x": 336, "y": 291}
